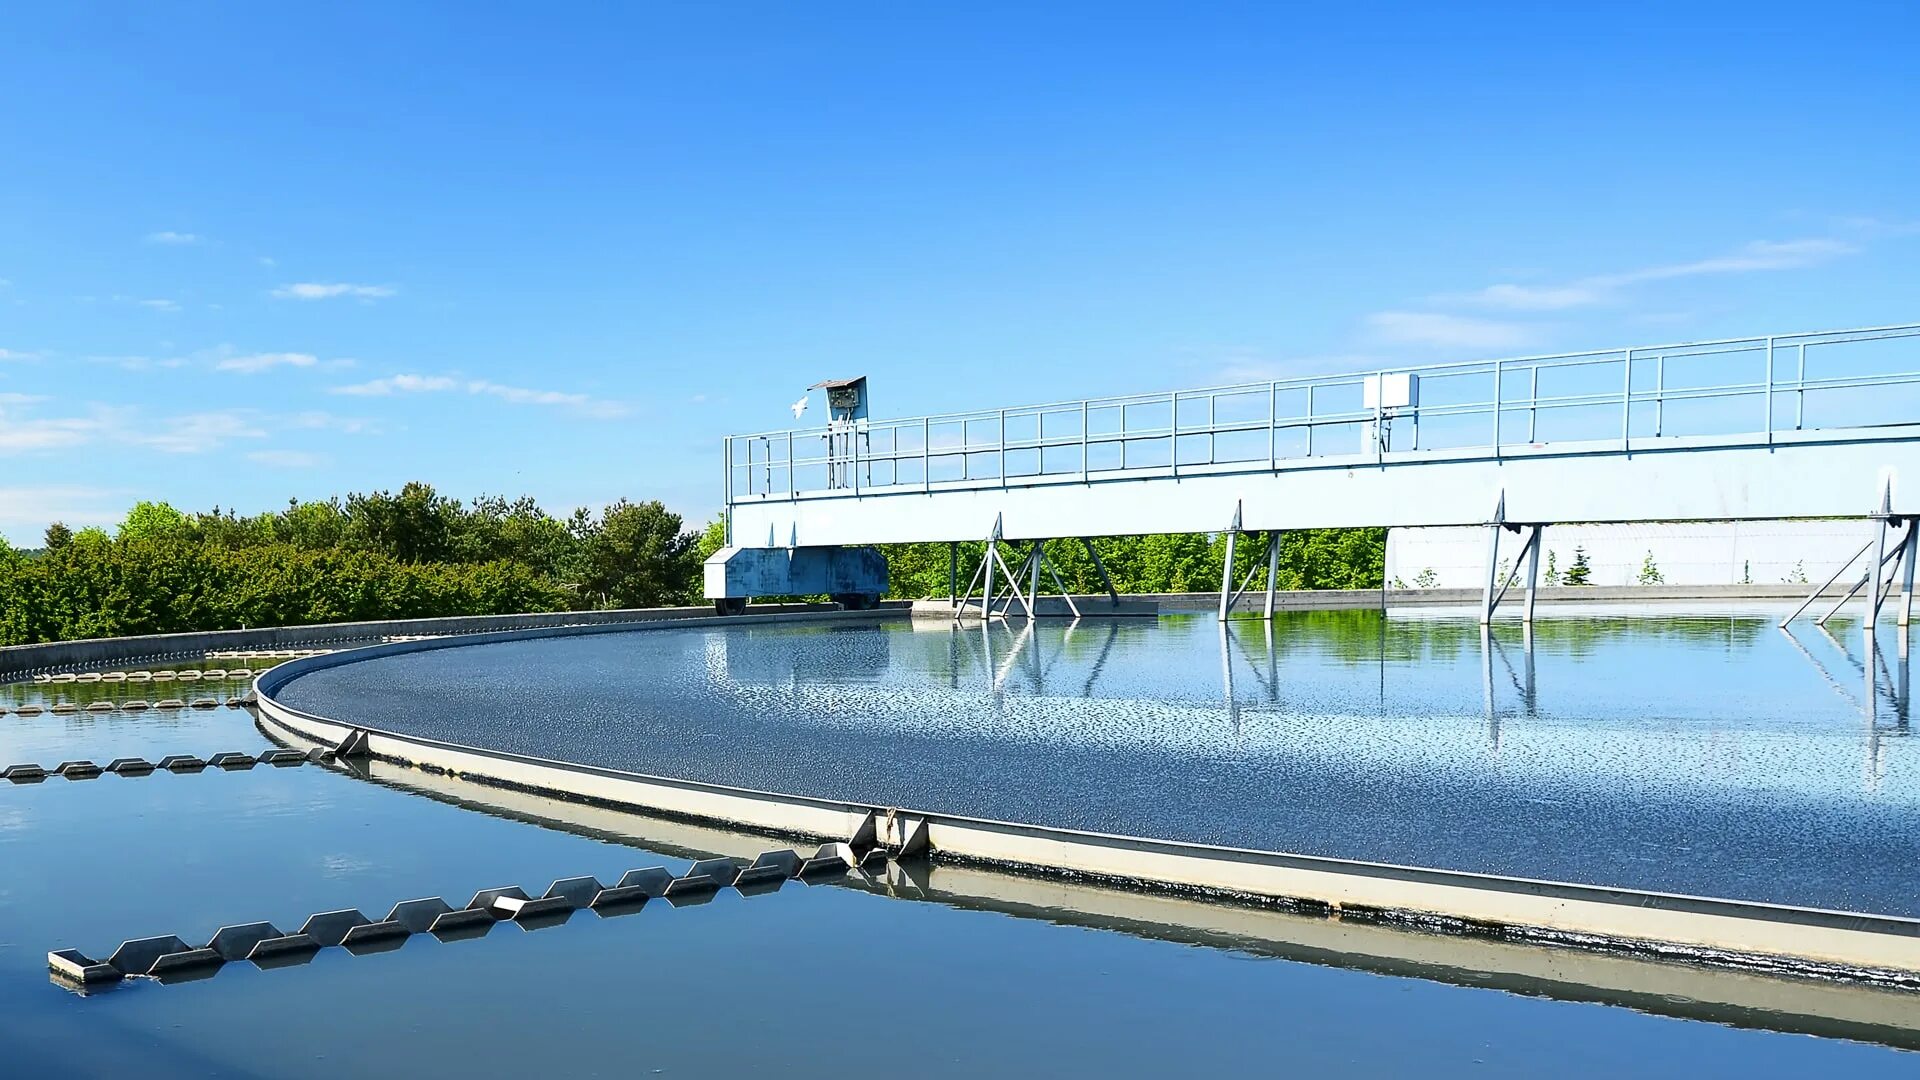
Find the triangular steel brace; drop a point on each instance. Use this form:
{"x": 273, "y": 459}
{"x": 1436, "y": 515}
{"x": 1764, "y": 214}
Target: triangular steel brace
{"x": 353, "y": 746}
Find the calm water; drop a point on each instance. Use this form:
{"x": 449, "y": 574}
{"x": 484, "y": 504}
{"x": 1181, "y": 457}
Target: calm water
{"x": 810, "y": 981}
{"x": 1707, "y": 754}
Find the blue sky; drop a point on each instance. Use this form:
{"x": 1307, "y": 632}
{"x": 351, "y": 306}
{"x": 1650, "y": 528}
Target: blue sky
{"x": 253, "y": 251}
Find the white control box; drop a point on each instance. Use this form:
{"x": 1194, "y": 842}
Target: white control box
{"x": 1393, "y": 390}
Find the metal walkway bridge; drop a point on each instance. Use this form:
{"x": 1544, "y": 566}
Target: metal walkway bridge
{"x": 1784, "y": 426}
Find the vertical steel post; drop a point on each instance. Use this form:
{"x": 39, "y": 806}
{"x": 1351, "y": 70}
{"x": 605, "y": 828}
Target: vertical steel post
{"x": 1497, "y": 370}
{"x": 1626, "y": 406}
{"x": 1309, "y": 419}
{"x": 792, "y": 484}
{"x": 1874, "y": 592}
{"x": 1533, "y": 570}
{"x": 1769, "y": 392}
{"x": 926, "y": 454}
{"x": 1273, "y": 569}
{"x": 1493, "y": 571}
{"x": 726, "y": 490}
{"x": 986, "y": 595}
{"x": 1226, "y": 568}
{"x": 1659, "y": 395}
{"x": 1912, "y": 545}
{"x": 953, "y": 572}
{"x": 1003, "y": 448}
{"x": 1533, "y": 405}
{"x": 1800, "y": 389}
{"x": 1039, "y": 556}
{"x": 1273, "y": 430}
{"x": 1173, "y": 433}
{"x": 1084, "y": 466}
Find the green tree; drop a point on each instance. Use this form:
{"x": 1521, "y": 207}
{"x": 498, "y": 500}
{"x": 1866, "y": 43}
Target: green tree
{"x": 152, "y": 519}
{"x": 1579, "y": 573}
{"x": 57, "y": 536}
{"x": 637, "y": 555}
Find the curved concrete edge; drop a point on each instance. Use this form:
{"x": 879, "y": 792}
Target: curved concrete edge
{"x": 1703, "y": 929}
{"x": 1868, "y": 1012}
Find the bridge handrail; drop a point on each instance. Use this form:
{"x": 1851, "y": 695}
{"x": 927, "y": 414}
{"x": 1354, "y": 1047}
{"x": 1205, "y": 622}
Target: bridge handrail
{"x": 849, "y": 467}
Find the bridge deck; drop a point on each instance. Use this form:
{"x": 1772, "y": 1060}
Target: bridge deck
{"x": 1787, "y": 426}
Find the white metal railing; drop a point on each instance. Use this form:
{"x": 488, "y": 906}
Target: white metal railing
{"x": 1789, "y": 382}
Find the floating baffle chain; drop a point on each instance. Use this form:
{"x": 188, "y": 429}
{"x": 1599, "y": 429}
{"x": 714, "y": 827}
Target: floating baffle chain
{"x": 170, "y": 958}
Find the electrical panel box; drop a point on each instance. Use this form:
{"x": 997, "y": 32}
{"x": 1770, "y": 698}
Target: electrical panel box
{"x": 846, "y": 398}
{"x": 1393, "y": 390}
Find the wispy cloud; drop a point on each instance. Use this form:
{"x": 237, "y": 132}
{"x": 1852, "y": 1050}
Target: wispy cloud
{"x": 1758, "y": 256}
{"x": 159, "y": 305}
{"x": 315, "y": 290}
{"x": 258, "y": 362}
{"x": 398, "y": 384}
{"x": 196, "y": 433}
{"x": 174, "y": 238}
{"x": 22, "y": 432}
{"x": 1445, "y": 331}
{"x": 286, "y": 459}
{"x": 318, "y": 420}
{"x": 518, "y": 395}
{"x": 12, "y": 355}
{"x": 25, "y": 511}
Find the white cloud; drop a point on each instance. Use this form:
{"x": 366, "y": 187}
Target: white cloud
{"x": 1447, "y": 331}
{"x": 25, "y": 511}
{"x": 517, "y": 395}
{"x": 1530, "y": 297}
{"x": 16, "y": 354}
{"x": 174, "y": 238}
{"x": 259, "y": 362}
{"x": 267, "y": 260}
{"x": 313, "y": 290}
{"x": 195, "y": 433}
{"x": 1760, "y": 255}
{"x": 398, "y": 384}
{"x": 22, "y": 434}
{"x": 286, "y": 459}
{"x": 316, "y": 420}
{"x": 151, "y": 304}
{"x": 20, "y": 399}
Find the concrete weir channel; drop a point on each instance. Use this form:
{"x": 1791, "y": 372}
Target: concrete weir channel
{"x": 1698, "y": 930}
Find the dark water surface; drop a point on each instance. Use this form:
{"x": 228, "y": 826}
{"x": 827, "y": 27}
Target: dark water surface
{"x": 806, "y": 982}
{"x": 1707, "y": 754}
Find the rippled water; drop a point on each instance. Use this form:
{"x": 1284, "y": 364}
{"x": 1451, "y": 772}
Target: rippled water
{"x": 1697, "y": 753}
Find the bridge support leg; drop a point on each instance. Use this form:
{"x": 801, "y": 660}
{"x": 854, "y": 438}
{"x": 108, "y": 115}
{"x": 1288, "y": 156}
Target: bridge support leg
{"x": 953, "y": 573}
{"x": 1533, "y": 574}
{"x": 1226, "y": 569}
{"x": 1273, "y": 571}
{"x": 1094, "y": 554}
{"x": 1910, "y": 548}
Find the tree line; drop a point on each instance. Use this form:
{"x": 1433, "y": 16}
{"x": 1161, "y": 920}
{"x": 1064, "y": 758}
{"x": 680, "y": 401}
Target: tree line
{"x": 417, "y": 553}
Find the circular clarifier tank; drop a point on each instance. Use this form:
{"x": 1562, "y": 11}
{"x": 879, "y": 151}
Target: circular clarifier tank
{"x": 1702, "y": 754}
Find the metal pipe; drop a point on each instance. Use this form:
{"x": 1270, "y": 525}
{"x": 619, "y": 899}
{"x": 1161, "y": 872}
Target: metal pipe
{"x": 1226, "y": 569}
{"x": 1493, "y": 569}
{"x": 1911, "y": 547}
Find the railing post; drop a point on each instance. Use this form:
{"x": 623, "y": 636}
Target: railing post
{"x": 1769, "y": 391}
{"x": 1173, "y": 432}
{"x": 1273, "y": 421}
{"x": 1213, "y": 423}
{"x": 926, "y": 454}
{"x": 1310, "y": 424}
{"x": 1003, "y": 448}
{"x": 1659, "y": 395}
{"x": 1497, "y": 369}
{"x": 793, "y": 484}
{"x": 1800, "y": 390}
{"x": 1533, "y": 405}
{"x": 1084, "y": 467}
{"x": 1626, "y": 406}
{"x": 726, "y": 490}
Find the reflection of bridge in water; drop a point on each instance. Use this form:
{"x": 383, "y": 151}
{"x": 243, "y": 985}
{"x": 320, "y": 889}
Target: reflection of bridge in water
{"x": 1018, "y": 658}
